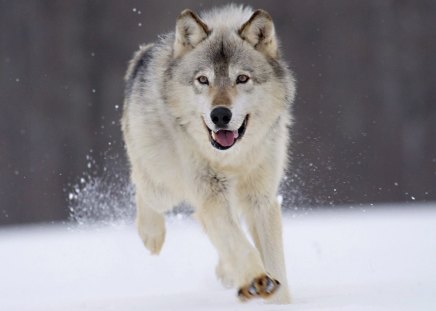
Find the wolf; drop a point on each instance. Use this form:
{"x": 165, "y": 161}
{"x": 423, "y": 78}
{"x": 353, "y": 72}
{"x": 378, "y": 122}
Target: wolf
{"x": 206, "y": 121}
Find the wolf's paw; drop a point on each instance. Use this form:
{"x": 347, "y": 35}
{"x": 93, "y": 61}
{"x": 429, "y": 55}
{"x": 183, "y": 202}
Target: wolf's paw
{"x": 262, "y": 286}
{"x": 224, "y": 274}
{"x": 153, "y": 243}
{"x": 151, "y": 229}
{"x": 152, "y": 235}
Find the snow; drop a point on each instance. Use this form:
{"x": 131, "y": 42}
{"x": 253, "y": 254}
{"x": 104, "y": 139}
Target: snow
{"x": 383, "y": 259}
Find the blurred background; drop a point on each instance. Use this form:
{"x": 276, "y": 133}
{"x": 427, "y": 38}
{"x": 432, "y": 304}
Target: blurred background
{"x": 365, "y": 131}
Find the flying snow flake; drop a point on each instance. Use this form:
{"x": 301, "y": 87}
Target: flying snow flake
{"x": 116, "y": 107}
{"x": 413, "y": 198}
{"x": 108, "y": 198}
{"x": 93, "y": 90}
{"x": 134, "y": 10}
{"x": 139, "y": 24}
{"x": 17, "y": 80}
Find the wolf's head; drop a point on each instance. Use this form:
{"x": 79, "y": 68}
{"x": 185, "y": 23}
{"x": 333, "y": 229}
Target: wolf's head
{"x": 227, "y": 86}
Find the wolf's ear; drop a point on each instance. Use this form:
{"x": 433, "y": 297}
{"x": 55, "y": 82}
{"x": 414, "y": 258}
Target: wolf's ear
{"x": 190, "y": 31}
{"x": 259, "y": 32}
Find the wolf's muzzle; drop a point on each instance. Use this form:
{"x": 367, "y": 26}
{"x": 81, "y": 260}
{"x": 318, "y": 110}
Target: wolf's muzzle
{"x": 223, "y": 139}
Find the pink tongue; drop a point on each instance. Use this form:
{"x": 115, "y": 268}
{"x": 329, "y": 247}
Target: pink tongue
{"x": 225, "y": 138}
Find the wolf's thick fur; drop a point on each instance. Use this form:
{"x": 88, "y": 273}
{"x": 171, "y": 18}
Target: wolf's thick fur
{"x": 226, "y": 58}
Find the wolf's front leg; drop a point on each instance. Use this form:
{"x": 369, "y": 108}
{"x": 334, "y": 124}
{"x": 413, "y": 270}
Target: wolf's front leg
{"x": 265, "y": 225}
{"x": 150, "y": 224}
{"x": 224, "y": 231}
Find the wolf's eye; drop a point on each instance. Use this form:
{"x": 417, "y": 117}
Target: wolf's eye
{"x": 203, "y": 80}
{"x": 242, "y": 79}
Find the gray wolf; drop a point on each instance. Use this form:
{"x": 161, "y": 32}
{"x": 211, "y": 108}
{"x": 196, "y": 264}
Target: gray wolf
{"x": 205, "y": 121}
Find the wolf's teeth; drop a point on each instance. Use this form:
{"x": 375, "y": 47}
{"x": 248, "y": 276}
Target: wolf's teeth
{"x": 236, "y": 134}
{"x": 213, "y": 135}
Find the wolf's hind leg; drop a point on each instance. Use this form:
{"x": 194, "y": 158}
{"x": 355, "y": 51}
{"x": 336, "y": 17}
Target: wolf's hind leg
{"x": 151, "y": 225}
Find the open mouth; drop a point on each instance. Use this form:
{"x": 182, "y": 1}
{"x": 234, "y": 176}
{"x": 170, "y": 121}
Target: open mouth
{"x": 225, "y": 139}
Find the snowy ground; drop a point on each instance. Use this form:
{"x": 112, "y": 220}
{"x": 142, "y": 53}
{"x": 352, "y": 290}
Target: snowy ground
{"x": 337, "y": 260}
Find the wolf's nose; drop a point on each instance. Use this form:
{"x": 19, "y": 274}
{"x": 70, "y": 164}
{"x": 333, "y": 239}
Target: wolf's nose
{"x": 221, "y": 116}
